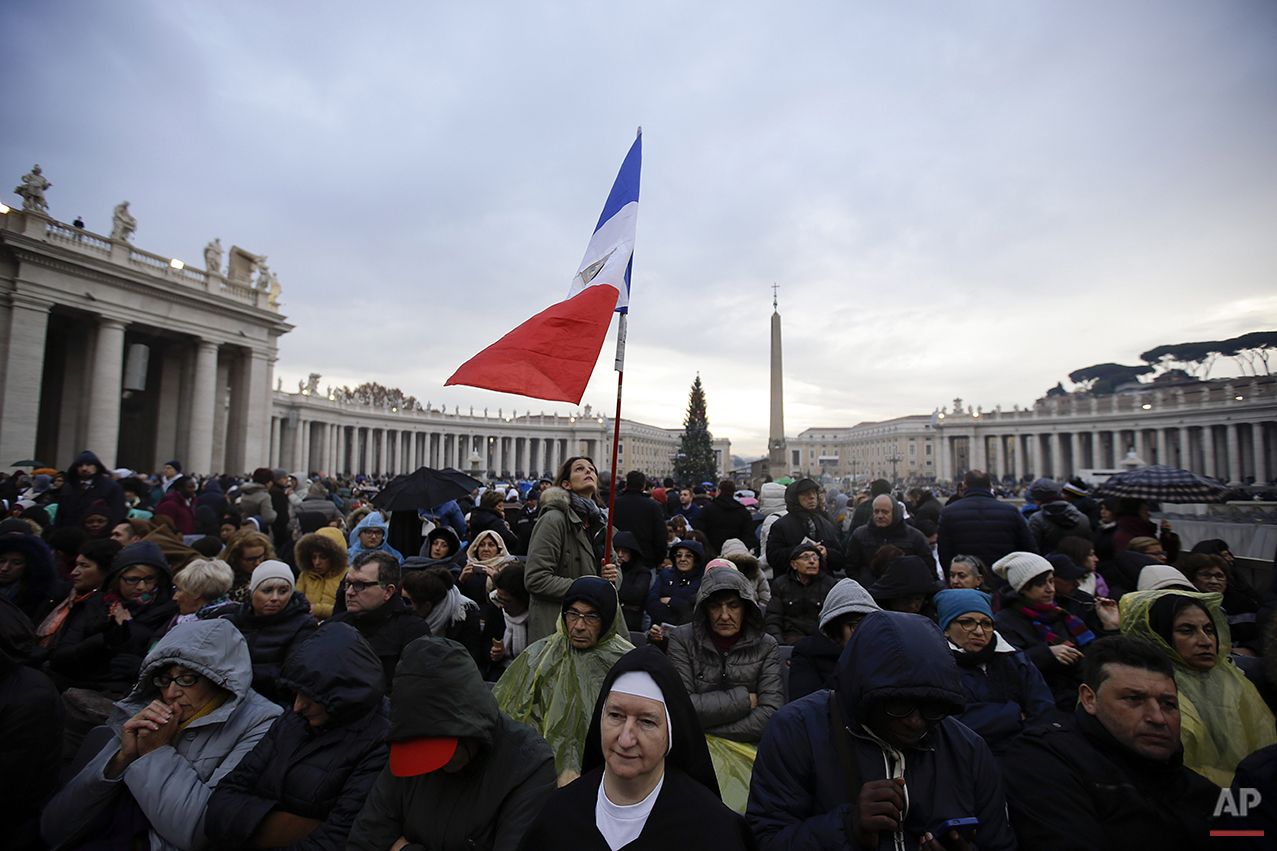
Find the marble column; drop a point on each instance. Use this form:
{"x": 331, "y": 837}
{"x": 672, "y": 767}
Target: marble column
{"x": 1075, "y": 453}
{"x": 1057, "y": 462}
{"x": 104, "y": 391}
{"x": 1208, "y": 450}
{"x": 1257, "y": 447}
{"x": 1137, "y": 438}
{"x": 1185, "y": 449}
{"x": 1017, "y": 457}
{"x": 1234, "y": 453}
{"x": 1163, "y": 448}
{"x": 23, "y": 376}
{"x": 1035, "y": 455}
{"x": 199, "y": 457}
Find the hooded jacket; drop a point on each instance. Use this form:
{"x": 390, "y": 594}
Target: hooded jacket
{"x": 980, "y": 524}
{"x": 636, "y": 579}
{"x": 271, "y": 638}
{"x": 1223, "y": 719}
{"x": 868, "y": 539}
{"x": 179, "y": 509}
{"x": 793, "y": 612}
{"x": 724, "y": 518}
{"x": 798, "y": 798}
{"x": 77, "y": 495}
{"x": 323, "y": 773}
{"x": 905, "y": 576}
{"x": 37, "y": 592}
{"x": 321, "y": 590}
{"x": 372, "y": 520}
{"x": 721, "y": 681}
{"x": 687, "y": 812}
{"x": 790, "y": 530}
{"x": 490, "y": 802}
{"x": 172, "y": 783}
{"x": 255, "y": 501}
{"x": 561, "y": 550}
{"x": 451, "y": 560}
{"x": 678, "y": 586}
{"x": 552, "y": 685}
{"x": 489, "y": 519}
{"x": 1056, "y": 520}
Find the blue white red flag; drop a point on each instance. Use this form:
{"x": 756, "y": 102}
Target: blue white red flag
{"x": 552, "y": 355}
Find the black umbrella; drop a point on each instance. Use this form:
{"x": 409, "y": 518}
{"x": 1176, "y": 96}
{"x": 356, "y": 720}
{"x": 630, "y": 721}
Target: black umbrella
{"x": 462, "y": 479}
{"x": 1165, "y": 484}
{"x": 27, "y": 463}
{"x": 424, "y": 488}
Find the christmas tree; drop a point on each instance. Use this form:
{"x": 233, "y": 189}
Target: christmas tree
{"x": 695, "y": 461}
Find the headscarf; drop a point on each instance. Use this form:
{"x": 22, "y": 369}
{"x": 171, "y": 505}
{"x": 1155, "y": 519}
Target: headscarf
{"x": 1223, "y": 719}
{"x": 552, "y": 686}
{"x": 502, "y": 556}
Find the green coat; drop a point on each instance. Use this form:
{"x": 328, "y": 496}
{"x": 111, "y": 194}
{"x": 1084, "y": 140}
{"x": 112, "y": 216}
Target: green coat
{"x": 559, "y": 553}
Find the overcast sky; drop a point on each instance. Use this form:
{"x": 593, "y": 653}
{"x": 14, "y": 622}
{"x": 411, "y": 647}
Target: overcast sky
{"x": 956, "y": 198}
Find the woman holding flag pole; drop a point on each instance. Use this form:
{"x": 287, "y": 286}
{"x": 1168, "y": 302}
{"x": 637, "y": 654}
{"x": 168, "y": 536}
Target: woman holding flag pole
{"x": 551, "y": 356}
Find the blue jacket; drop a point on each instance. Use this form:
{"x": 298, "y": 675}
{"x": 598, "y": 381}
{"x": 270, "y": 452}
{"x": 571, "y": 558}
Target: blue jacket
{"x": 797, "y": 797}
{"x": 448, "y": 514}
{"x": 372, "y": 520}
{"x": 679, "y": 587}
{"x": 994, "y": 715}
{"x": 980, "y": 524}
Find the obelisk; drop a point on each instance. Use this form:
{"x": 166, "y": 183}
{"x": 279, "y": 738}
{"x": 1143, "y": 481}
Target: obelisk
{"x": 776, "y": 462}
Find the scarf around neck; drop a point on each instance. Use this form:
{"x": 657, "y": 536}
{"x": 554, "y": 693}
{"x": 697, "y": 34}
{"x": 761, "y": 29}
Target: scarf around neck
{"x": 453, "y": 608}
{"x": 1043, "y": 616}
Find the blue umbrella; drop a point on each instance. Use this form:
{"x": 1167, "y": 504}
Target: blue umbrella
{"x": 1165, "y": 484}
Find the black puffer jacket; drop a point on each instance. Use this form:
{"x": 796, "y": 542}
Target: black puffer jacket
{"x": 389, "y": 629}
{"x": 868, "y": 539}
{"x": 77, "y": 495}
{"x": 324, "y": 772}
{"x": 271, "y": 638}
{"x": 636, "y": 579}
{"x": 77, "y": 656}
{"x": 789, "y": 531}
{"x": 980, "y": 524}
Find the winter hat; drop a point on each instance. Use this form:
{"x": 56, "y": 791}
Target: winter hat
{"x": 1045, "y": 490}
{"x": 1163, "y": 577}
{"x": 1073, "y": 489}
{"x": 122, "y": 473}
{"x": 846, "y": 597}
{"x": 176, "y": 465}
{"x": 719, "y": 562}
{"x": 699, "y": 490}
{"x": 99, "y": 508}
{"x": 278, "y": 473}
{"x": 1019, "y": 568}
{"x": 271, "y": 570}
{"x": 14, "y": 526}
{"x": 954, "y": 602}
{"x": 1064, "y": 567}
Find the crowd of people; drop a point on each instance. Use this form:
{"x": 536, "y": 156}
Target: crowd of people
{"x": 272, "y": 661}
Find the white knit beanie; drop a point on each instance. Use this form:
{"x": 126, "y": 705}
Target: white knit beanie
{"x": 271, "y": 570}
{"x": 1020, "y": 568}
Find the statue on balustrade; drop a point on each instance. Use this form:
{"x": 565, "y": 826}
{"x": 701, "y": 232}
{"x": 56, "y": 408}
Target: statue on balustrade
{"x": 264, "y": 277}
{"x": 213, "y": 257}
{"x": 32, "y": 191}
{"x": 123, "y": 223}
{"x": 272, "y": 300}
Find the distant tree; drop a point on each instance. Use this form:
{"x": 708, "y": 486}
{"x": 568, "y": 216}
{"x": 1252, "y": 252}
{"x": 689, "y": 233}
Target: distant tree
{"x": 374, "y": 395}
{"x": 1194, "y": 358}
{"x": 695, "y": 460}
{"x": 1103, "y": 378}
{"x": 1251, "y": 350}
{"x": 1057, "y": 390}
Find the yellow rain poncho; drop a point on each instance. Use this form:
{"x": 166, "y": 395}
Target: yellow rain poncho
{"x": 552, "y": 686}
{"x": 1222, "y": 717}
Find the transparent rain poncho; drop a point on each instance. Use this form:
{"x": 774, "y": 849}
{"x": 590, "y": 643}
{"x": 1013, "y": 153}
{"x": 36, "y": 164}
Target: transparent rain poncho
{"x": 553, "y": 686}
{"x": 1223, "y": 719}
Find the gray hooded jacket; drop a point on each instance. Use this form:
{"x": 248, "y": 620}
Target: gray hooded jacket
{"x": 172, "y": 783}
{"x": 720, "y": 682}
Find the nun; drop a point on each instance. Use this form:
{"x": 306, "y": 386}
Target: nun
{"x": 647, "y": 781}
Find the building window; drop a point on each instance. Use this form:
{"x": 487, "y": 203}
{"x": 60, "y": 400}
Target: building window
{"x": 913, "y": 463}
{"x": 797, "y": 457}
{"x": 927, "y": 451}
{"x": 913, "y": 448}
{"x": 928, "y": 462}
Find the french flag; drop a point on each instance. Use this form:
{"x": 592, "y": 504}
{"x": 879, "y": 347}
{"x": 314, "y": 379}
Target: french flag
{"x": 552, "y": 355}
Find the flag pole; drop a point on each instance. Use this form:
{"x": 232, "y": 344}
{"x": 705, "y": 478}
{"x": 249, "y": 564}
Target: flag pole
{"x": 621, "y": 327}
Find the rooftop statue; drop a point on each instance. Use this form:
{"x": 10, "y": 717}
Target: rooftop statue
{"x": 123, "y": 223}
{"x": 32, "y": 191}
{"x": 213, "y": 257}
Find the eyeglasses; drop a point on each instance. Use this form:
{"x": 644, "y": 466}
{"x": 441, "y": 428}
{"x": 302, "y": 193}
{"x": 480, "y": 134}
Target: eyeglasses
{"x": 185, "y": 681}
{"x": 591, "y": 618}
{"x": 900, "y": 708}
{"x": 139, "y": 580}
{"x": 1212, "y": 577}
{"x": 970, "y": 624}
{"x": 361, "y": 587}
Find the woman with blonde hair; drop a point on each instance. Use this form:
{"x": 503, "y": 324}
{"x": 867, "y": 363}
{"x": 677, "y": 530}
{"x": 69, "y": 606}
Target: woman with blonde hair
{"x": 244, "y": 552}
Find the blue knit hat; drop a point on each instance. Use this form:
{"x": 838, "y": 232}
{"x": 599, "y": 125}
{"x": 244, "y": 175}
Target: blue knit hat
{"x": 955, "y": 602}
